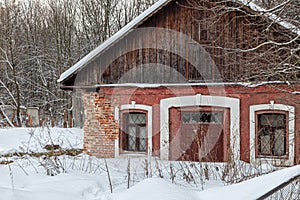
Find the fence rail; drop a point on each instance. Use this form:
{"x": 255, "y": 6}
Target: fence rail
{"x": 289, "y": 190}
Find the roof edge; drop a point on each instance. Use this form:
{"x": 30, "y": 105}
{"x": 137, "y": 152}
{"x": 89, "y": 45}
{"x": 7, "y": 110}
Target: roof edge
{"x": 135, "y": 22}
{"x": 271, "y": 16}
{"x": 208, "y": 84}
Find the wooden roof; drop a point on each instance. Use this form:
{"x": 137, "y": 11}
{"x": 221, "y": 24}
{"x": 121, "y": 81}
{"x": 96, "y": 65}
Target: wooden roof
{"x": 143, "y": 17}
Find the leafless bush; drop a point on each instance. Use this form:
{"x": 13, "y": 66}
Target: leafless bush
{"x": 52, "y": 165}
{"x": 158, "y": 169}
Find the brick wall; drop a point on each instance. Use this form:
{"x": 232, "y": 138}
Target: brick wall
{"x": 100, "y": 128}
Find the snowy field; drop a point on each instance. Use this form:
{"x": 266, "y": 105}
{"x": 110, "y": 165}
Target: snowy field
{"x": 35, "y": 139}
{"x": 87, "y": 178}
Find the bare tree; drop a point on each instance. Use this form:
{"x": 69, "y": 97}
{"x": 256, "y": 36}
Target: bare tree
{"x": 41, "y": 39}
{"x": 11, "y": 22}
{"x": 253, "y": 35}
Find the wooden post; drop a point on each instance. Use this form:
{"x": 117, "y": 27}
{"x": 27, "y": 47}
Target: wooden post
{"x": 71, "y": 119}
{"x": 52, "y": 121}
{"x": 65, "y": 119}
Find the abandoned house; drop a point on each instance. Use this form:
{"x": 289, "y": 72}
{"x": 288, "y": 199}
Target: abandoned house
{"x": 194, "y": 80}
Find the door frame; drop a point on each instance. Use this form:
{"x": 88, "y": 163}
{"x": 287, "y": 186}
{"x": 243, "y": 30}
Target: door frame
{"x": 233, "y": 104}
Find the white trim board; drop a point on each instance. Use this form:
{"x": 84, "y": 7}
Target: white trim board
{"x": 291, "y": 129}
{"x": 200, "y": 100}
{"x": 149, "y": 124}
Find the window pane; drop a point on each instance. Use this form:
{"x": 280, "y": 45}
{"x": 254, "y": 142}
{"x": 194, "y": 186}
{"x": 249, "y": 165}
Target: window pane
{"x": 274, "y": 120}
{"x": 143, "y": 135}
{"x": 186, "y": 118}
{"x": 217, "y": 117}
{"x": 205, "y": 117}
{"x": 265, "y": 142}
{"x": 195, "y": 117}
{"x": 272, "y": 134}
{"x": 279, "y": 143}
{"x": 201, "y": 117}
{"x": 137, "y": 118}
{"x": 132, "y": 139}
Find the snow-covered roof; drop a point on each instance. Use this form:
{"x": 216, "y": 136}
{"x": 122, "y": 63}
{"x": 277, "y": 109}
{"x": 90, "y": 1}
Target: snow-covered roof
{"x": 206, "y": 84}
{"x": 271, "y": 16}
{"x": 148, "y": 13}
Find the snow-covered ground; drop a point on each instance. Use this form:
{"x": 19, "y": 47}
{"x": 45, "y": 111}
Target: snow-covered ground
{"x": 35, "y": 139}
{"x": 86, "y": 178}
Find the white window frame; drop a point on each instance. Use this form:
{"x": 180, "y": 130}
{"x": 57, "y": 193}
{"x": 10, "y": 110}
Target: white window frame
{"x": 291, "y": 134}
{"x": 134, "y": 106}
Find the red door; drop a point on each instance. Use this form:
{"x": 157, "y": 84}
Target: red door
{"x": 202, "y": 142}
{"x": 199, "y": 135}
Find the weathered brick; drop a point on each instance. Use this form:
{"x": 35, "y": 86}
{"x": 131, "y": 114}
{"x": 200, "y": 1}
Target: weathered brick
{"x": 100, "y": 128}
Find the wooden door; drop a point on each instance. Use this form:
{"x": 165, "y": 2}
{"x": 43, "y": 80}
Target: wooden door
{"x": 202, "y": 136}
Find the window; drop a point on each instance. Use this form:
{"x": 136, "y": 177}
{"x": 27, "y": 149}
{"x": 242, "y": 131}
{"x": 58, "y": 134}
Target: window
{"x": 202, "y": 117}
{"x": 272, "y": 134}
{"x": 281, "y": 125}
{"x": 136, "y": 132}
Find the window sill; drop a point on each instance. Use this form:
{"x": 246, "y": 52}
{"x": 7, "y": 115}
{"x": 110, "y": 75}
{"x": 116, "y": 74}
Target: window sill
{"x": 132, "y": 154}
{"x": 282, "y": 161}
{"x": 285, "y": 157}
